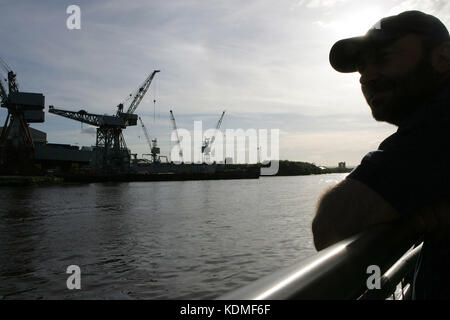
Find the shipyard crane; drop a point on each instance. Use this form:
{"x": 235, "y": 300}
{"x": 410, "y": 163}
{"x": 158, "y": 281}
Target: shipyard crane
{"x": 206, "y": 147}
{"x": 154, "y": 149}
{"x": 111, "y": 152}
{"x": 174, "y": 127}
{"x": 16, "y": 143}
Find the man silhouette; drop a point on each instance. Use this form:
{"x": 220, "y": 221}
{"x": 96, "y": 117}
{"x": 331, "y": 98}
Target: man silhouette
{"x": 404, "y": 63}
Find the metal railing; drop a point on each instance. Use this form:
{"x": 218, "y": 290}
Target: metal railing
{"x": 341, "y": 270}
{"x": 400, "y": 274}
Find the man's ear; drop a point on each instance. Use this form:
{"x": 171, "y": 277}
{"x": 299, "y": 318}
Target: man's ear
{"x": 441, "y": 58}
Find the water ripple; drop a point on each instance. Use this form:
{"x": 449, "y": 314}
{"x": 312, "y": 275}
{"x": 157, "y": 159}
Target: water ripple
{"x": 165, "y": 240}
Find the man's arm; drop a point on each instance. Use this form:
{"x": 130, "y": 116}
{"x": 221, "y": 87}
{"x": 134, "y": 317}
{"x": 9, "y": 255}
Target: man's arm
{"x": 346, "y": 209}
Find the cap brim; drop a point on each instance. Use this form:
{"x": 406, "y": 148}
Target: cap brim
{"x": 344, "y": 55}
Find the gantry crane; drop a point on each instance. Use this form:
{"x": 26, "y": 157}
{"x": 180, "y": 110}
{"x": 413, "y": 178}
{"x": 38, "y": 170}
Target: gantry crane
{"x": 111, "y": 152}
{"x": 153, "y": 144}
{"x": 206, "y": 147}
{"x": 174, "y": 127}
{"x": 16, "y": 143}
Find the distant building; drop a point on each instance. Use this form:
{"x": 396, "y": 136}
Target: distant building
{"x": 228, "y": 160}
{"x": 341, "y": 165}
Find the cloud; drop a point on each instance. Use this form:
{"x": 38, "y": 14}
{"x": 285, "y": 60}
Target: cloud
{"x": 329, "y": 148}
{"x": 320, "y": 3}
{"x": 265, "y": 63}
{"x": 439, "y": 8}
{"x": 89, "y": 130}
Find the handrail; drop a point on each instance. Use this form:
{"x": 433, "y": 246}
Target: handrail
{"x": 401, "y": 270}
{"x": 337, "y": 272}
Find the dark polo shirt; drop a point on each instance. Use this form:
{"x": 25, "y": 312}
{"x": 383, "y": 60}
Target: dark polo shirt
{"x": 410, "y": 170}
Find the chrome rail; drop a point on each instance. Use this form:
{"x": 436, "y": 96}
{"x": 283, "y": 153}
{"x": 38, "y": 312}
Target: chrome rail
{"x": 402, "y": 272}
{"x": 341, "y": 270}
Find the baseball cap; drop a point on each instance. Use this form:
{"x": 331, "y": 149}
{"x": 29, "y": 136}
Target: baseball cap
{"x": 345, "y": 53}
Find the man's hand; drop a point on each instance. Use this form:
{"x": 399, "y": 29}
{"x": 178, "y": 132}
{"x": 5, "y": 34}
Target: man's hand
{"x": 346, "y": 209}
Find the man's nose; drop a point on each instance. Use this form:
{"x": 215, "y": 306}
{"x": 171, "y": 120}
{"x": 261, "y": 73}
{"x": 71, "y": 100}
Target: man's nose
{"x": 370, "y": 73}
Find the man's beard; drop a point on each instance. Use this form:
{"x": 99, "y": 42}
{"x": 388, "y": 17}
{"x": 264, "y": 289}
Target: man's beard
{"x": 403, "y": 94}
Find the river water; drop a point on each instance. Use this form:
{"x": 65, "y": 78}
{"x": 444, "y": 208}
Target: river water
{"x": 154, "y": 240}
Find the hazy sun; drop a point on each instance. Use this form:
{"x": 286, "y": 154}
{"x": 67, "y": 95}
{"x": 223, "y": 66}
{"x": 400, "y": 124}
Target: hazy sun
{"x": 354, "y": 23}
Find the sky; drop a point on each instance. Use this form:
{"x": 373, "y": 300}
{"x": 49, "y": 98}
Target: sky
{"x": 264, "y": 62}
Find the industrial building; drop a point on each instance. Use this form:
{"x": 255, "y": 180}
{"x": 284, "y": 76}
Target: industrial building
{"x": 53, "y": 156}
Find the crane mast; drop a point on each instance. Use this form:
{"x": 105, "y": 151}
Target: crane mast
{"x": 174, "y": 127}
{"x": 13, "y": 86}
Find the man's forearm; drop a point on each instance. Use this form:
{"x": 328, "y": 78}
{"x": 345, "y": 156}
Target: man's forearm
{"x": 346, "y": 209}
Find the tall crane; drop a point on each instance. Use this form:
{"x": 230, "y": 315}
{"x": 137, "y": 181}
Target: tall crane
{"x": 154, "y": 149}
{"x": 16, "y": 143}
{"x": 174, "y": 127}
{"x": 206, "y": 147}
{"x": 111, "y": 152}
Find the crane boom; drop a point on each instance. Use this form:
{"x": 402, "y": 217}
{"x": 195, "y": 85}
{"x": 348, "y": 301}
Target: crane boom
{"x": 146, "y": 134}
{"x": 219, "y": 123}
{"x": 13, "y": 86}
{"x": 3, "y": 93}
{"x": 141, "y": 93}
{"x": 82, "y": 116}
{"x": 5, "y": 65}
{"x": 209, "y": 142}
{"x": 174, "y": 127}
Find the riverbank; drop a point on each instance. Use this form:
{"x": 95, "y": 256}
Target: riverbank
{"x": 133, "y": 177}
{"x": 298, "y": 168}
{"x": 19, "y": 181}
{"x": 233, "y": 171}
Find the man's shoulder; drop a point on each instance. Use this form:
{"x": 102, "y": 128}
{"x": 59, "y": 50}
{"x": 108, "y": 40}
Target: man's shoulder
{"x": 412, "y": 166}
{"x": 432, "y": 116}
